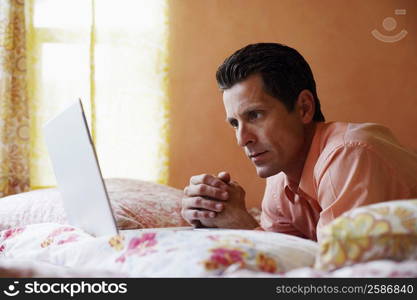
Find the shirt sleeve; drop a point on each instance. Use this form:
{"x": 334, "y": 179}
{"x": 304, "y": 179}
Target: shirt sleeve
{"x": 352, "y": 176}
{"x": 272, "y": 217}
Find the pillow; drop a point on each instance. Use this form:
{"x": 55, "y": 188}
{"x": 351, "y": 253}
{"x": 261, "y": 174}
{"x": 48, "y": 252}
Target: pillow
{"x": 386, "y": 230}
{"x": 36, "y": 206}
{"x": 136, "y": 204}
{"x": 142, "y": 204}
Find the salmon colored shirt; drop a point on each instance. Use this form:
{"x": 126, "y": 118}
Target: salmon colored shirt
{"x": 348, "y": 165}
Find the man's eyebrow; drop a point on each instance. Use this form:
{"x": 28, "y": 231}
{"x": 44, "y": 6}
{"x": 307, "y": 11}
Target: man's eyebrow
{"x": 246, "y": 111}
{"x": 252, "y": 108}
{"x": 229, "y": 120}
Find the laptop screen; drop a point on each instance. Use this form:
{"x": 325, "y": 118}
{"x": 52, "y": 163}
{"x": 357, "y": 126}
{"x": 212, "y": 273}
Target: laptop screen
{"x": 78, "y": 173}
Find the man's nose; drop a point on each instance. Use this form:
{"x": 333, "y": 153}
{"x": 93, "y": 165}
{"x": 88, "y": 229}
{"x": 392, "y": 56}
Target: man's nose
{"x": 245, "y": 136}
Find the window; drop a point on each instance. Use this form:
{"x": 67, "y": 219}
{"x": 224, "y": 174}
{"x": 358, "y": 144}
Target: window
{"x": 112, "y": 55}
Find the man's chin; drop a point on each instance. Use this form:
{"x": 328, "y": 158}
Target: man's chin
{"x": 265, "y": 172}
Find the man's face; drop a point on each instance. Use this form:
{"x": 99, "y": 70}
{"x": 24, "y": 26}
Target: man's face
{"x": 272, "y": 137}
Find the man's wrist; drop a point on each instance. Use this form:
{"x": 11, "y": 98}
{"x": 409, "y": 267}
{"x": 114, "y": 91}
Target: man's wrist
{"x": 250, "y": 222}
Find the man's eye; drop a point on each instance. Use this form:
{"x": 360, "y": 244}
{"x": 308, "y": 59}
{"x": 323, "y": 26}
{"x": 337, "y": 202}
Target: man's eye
{"x": 253, "y": 115}
{"x": 234, "y": 123}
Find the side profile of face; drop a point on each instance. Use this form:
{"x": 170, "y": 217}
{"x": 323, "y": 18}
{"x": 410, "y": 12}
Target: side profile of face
{"x": 273, "y": 138}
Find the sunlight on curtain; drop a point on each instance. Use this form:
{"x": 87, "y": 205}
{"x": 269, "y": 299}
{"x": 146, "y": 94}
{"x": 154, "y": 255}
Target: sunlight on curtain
{"x": 14, "y": 114}
{"x": 112, "y": 55}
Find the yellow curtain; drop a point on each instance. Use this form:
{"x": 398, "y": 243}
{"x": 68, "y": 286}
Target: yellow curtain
{"x": 112, "y": 55}
{"x": 14, "y": 108}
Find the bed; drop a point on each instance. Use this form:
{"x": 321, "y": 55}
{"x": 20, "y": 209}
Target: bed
{"x": 378, "y": 240}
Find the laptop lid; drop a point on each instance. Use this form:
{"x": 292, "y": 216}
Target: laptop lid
{"x": 77, "y": 172}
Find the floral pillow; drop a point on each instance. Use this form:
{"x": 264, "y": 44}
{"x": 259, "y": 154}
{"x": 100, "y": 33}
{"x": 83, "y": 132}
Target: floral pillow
{"x": 386, "y": 230}
{"x": 32, "y": 207}
{"x": 143, "y": 204}
{"x": 135, "y": 203}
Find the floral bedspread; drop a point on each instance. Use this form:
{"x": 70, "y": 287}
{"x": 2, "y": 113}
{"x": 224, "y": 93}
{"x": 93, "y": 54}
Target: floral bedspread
{"x": 159, "y": 252}
{"x": 175, "y": 252}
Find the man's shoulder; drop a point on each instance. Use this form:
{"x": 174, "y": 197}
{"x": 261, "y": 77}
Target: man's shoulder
{"x": 339, "y": 134}
{"x": 337, "y": 138}
{"x": 369, "y": 133}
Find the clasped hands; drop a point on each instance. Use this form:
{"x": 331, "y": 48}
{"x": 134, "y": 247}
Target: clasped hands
{"x": 216, "y": 202}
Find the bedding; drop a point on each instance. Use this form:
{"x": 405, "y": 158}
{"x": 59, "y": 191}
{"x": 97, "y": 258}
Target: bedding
{"x": 29, "y": 268}
{"x": 56, "y": 250}
{"x": 36, "y": 241}
{"x": 173, "y": 252}
{"x": 135, "y": 204}
{"x": 386, "y": 230}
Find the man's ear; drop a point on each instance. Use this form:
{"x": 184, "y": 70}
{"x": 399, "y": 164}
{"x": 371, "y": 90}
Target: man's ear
{"x": 305, "y": 106}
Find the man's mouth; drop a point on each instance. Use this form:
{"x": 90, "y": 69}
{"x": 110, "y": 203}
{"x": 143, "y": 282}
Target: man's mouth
{"x": 257, "y": 156}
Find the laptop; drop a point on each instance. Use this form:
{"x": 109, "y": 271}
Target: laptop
{"x": 78, "y": 173}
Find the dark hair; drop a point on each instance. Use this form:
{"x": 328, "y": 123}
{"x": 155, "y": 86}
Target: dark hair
{"x": 284, "y": 71}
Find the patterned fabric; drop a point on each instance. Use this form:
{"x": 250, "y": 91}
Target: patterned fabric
{"x": 178, "y": 252}
{"x": 31, "y": 207}
{"x": 381, "y": 231}
{"x": 14, "y": 116}
{"x": 52, "y": 250}
{"x": 135, "y": 203}
{"x": 383, "y": 268}
{"x": 142, "y": 204}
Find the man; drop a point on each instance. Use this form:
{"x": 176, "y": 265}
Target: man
{"x": 315, "y": 170}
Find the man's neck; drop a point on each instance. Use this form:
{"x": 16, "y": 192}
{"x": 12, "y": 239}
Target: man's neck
{"x": 294, "y": 174}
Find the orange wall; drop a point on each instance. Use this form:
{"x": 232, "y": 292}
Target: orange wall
{"x": 359, "y": 78}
